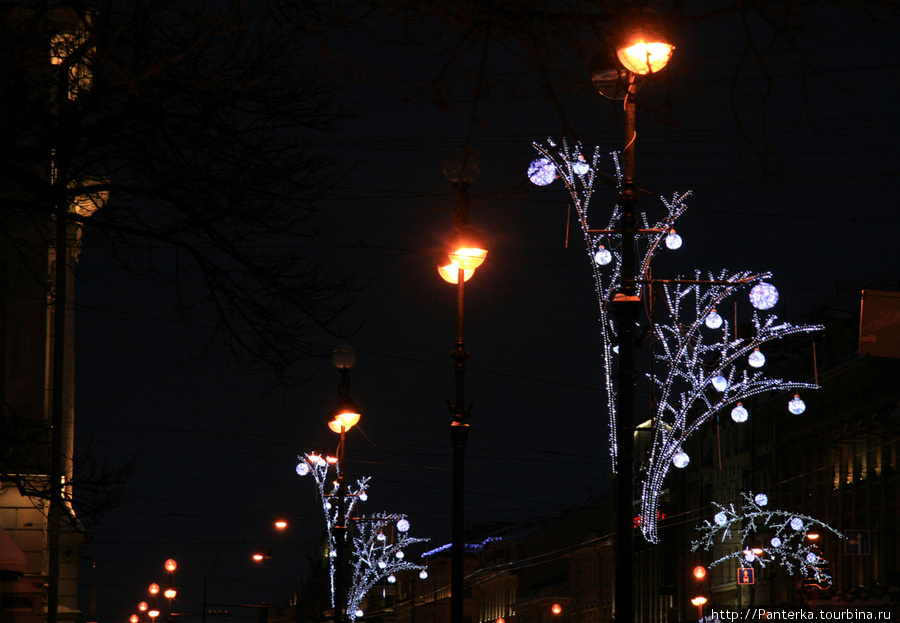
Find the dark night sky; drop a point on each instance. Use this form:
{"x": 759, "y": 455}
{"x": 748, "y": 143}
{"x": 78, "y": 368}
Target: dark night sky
{"x": 216, "y": 452}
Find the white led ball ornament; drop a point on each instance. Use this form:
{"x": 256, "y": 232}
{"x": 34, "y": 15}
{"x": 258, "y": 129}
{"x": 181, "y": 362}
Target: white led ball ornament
{"x": 382, "y": 564}
{"x": 796, "y": 405}
{"x": 681, "y": 459}
{"x": 363, "y": 496}
{"x": 403, "y": 525}
{"x": 302, "y": 468}
{"x": 720, "y": 383}
{"x": 713, "y": 320}
{"x": 392, "y": 578}
{"x": 380, "y": 536}
{"x": 749, "y": 556}
{"x": 797, "y": 524}
{"x": 358, "y": 613}
{"x": 761, "y": 499}
{"x": 423, "y": 574}
{"x": 720, "y": 518}
{"x": 400, "y": 554}
{"x": 542, "y": 172}
{"x": 602, "y": 256}
{"x": 812, "y": 558}
{"x": 756, "y": 359}
{"x": 580, "y": 166}
{"x": 739, "y": 414}
{"x": 763, "y": 295}
{"x": 776, "y": 542}
{"x": 673, "y": 240}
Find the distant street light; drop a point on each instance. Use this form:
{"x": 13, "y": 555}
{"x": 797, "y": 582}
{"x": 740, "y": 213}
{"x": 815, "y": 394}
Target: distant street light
{"x": 342, "y": 418}
{"x": 466, "y": 253}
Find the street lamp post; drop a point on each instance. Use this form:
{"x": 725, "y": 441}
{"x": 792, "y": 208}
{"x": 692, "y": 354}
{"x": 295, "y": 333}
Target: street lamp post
{"x": 170, "y": 565}
{"x": 343, "y": 417}
{"x": 642, "y": 49}
{"x": 466, "y": 253}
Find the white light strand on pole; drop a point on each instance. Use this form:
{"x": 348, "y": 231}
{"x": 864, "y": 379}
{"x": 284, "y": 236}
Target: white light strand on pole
{"x": 700, "y": 371}
{"x": 378, "y": 541}
{"x": 786, "y": 532}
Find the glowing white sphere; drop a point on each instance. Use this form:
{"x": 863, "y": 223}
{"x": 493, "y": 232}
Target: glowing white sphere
{"x": 739, "y": 414}
{"x": 756, "y": 359}
{"x": 603, "y": 256}
{"x": 382, "y": 564}
{"x": 363, "y": 496}
{"x": 812, "y": 558}
{"x": 328, "y": 505}
{"x": 797, "y": 523}
{"x": 763, "y": 295}
{"x": 749, "y": 556}
{"x": 673, "y": 240}
{"x": 380, "y": 536}
{"x": 719, "y": 383}
{"x": 303, "y": 468}
{"x": 681, "y": 459}
{"x": 796, "y": 405}
{"x": 392, "y": 578}
{"x": 400, "y": 554}
{"x": 615, "y": 349}
{"x": 403, "y": 525}
{"x": 720, "y": 518}
{"x": 713, "y": 320}
{"x": 580, "y": 166}
{"x": 332, "y": 554}
{"x": 358, "y": 613}
{"x": 542, "y": 172}
{"x": 776, "y": 542}
{"x": 761, "y": 499}
{"x": 423, "y": 574}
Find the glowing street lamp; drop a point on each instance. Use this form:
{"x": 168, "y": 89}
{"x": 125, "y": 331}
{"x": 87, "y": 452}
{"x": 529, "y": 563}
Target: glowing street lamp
{"x": 468, "y": 251}
{"x": 643, "y": 47}
{"x": 342, "y": 418}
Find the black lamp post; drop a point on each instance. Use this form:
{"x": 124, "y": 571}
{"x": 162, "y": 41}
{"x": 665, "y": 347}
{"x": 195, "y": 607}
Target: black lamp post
{"x": 343, "y": 417}
{"x": 642, "y": 49}
{"x": 467, "y": 252}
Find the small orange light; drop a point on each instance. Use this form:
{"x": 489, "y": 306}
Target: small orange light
{"x": 143, "y": 606}
{"x": 699, "y": 600}
{"x": 281, "y": 524}
{"x": 556, "y": 609}
{"x": 134, "y": 618}
{"x": 154, "y": 588}
{"x": 812, "y": 536}
{"x": 258, "y": 556}
{"x": 699, "y": 572}
{"x": 171, "y": 565}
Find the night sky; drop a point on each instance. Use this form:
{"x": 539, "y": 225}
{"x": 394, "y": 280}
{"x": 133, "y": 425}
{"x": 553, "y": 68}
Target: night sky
{"x": 215, "y": 450}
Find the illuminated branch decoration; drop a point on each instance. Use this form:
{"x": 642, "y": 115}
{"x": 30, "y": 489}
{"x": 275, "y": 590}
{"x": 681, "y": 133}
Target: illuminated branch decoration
{"x": 377, "y": 541}
{"x": 702, "y": 365}
{"x": 788, "y": 545}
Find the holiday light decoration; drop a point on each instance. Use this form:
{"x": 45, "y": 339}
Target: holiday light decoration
{"x": 785, "y": 533}
{"x": 701, "y": 365}
{"x": 377, "y": 540}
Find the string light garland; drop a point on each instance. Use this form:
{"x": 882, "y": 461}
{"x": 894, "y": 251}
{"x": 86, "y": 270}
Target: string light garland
{"x": 701, "y": 366}
{"x": 377, "y": 540}
{"x": 787, "y": 546}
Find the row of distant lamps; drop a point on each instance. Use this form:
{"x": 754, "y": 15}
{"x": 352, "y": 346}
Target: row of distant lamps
{"x": 151, "y": 609}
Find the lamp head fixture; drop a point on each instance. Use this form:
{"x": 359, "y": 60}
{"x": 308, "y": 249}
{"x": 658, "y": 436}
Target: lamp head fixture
{"x": 643, "y": 46}
{"x": 467, "y": 249}
{"x": 449, "y": 272}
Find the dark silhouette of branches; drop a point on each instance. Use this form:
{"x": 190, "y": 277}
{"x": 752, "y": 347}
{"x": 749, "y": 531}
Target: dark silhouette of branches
{"x": 193, "y": 125}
